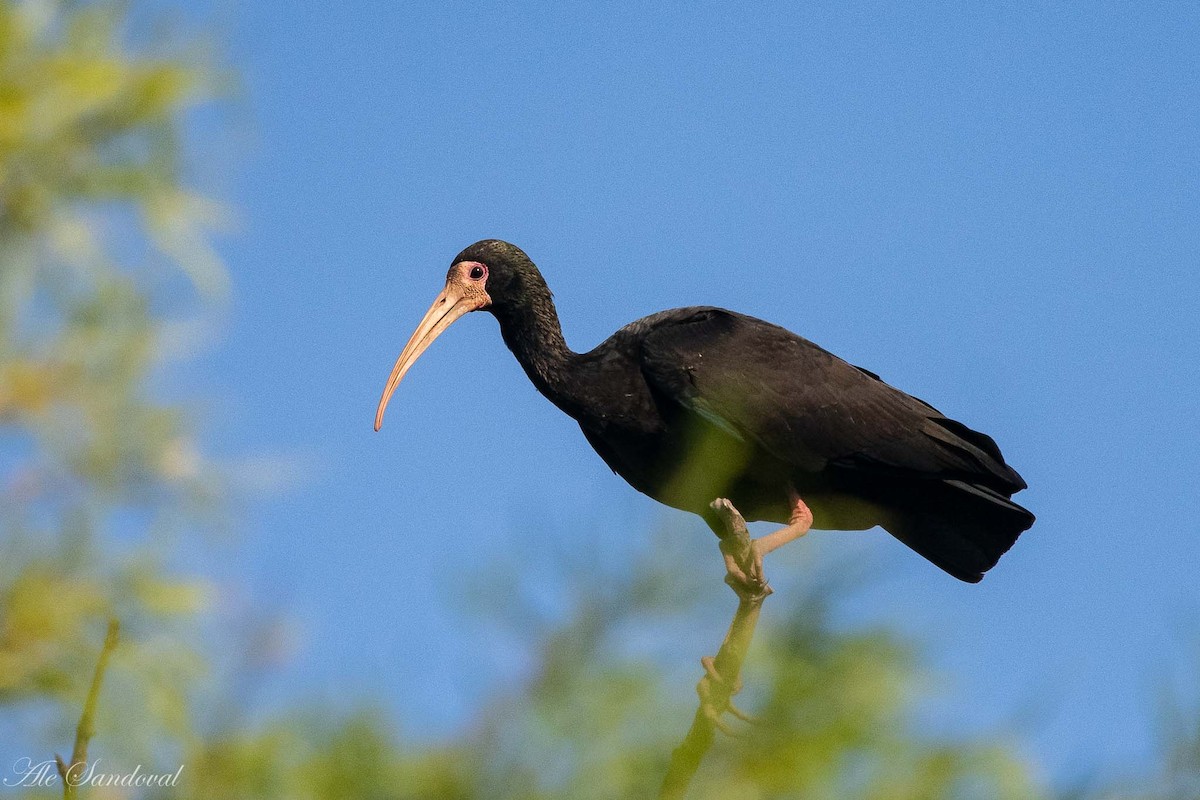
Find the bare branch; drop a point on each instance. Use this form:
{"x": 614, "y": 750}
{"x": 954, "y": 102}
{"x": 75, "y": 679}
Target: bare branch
{"x": 722, "y": 680}
{"x": 71, "y": 773}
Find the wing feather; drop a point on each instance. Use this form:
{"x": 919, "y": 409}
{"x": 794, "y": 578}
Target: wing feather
{"x": 804, "y": 405}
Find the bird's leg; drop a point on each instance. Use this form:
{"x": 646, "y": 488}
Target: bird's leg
{"x": 800, "y": 520}
{"x": 743, "y": 555}
{"x": 716, "y": 697}
{"x": 737, "y": 548}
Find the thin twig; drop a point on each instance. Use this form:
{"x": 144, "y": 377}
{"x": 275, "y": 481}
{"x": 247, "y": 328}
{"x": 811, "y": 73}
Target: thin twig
{"x": 716, "y": 694}
{"x": 72, "y": 773}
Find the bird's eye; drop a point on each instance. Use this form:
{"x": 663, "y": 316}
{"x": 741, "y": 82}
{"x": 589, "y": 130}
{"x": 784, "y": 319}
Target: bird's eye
{"x": 477, "y": 272}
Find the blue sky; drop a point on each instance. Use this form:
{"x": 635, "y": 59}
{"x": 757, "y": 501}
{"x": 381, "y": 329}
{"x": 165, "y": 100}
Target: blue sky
{"x": 992, "y": 206}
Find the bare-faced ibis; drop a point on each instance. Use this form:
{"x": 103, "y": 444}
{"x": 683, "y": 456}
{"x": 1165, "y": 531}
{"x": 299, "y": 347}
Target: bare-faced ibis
{"x": 715, "y": 412}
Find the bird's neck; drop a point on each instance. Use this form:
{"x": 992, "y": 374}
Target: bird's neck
{"x": 534, "y": 335}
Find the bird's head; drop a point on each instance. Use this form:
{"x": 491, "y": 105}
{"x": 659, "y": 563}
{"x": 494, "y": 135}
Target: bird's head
{"x": 490, "y": 274}
{"x": 509, "y": 275}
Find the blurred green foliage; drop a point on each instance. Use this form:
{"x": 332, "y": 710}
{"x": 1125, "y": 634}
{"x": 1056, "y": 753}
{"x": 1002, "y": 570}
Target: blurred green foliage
{"x": 98, "y": 239}
{"x": 598, "y": 715}
{"x": 601, "y": 717}
{"x": 104, "y": 258}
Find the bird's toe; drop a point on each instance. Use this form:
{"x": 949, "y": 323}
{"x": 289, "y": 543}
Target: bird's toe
{"x": 755, "y": 572}
{"x": 746, "y": 584}
{"x": 716, "y": 698}
{"x": 724, "y": 508}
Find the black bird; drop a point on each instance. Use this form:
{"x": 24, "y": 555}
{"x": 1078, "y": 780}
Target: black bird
{"x": 709, "y": 411}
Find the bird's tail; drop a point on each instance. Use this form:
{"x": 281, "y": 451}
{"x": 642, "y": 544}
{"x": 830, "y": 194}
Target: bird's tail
{"x": 961, "y": 527}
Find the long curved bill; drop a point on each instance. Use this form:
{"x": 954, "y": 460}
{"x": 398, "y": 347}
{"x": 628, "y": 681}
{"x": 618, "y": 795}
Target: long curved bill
{"x": 450, "y": 304}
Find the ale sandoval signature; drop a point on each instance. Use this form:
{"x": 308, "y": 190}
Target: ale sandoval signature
{"x": 27, "y": 772}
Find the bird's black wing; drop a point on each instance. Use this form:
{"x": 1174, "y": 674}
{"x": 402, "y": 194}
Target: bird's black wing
{"x": 804, "y": 405}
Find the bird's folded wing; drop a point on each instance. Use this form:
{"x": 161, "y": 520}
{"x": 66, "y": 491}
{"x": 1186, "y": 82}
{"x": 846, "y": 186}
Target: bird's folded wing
{"x": 805, "y": 405}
